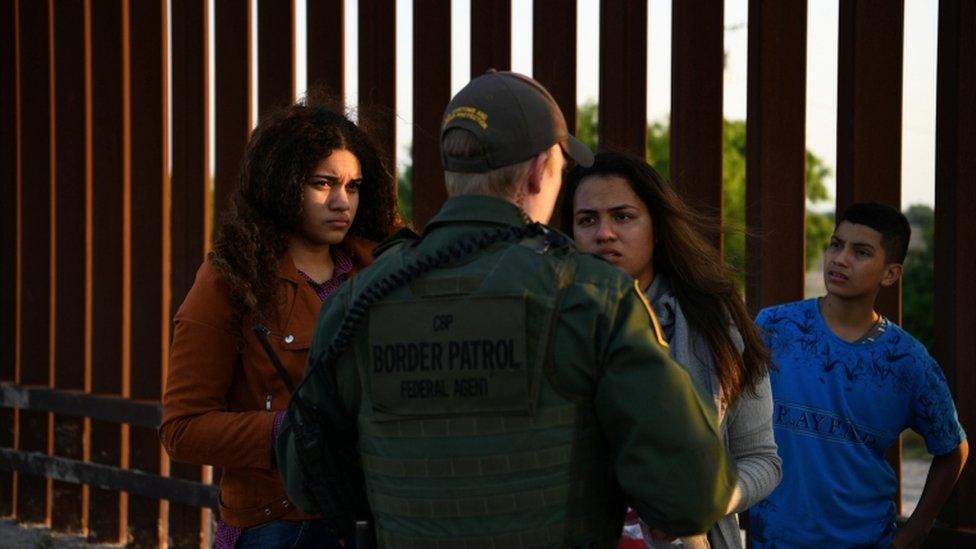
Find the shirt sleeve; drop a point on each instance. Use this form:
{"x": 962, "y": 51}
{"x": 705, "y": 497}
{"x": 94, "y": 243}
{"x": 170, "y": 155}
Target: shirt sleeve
{"x": 764, "y": 331}
{"x": 197, "y": 426}
{"x": 668, "y": 456}
{"x": 753, "y": 447}
{"x": 934, "y": 411}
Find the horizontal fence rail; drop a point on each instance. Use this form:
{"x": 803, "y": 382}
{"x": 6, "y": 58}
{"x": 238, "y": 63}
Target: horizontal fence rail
{"x": 81, "y": 404}
{"x": 115, "y": 164}
{"x": 104, "y": 408}
{"x": 109, "y": 478}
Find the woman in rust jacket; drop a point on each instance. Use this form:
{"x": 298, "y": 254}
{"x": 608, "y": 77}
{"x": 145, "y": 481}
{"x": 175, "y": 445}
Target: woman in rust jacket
{"x": 313, "y": 197}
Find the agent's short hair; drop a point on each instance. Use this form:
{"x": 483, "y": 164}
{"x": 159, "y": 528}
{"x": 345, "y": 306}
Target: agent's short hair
{"x": 461, "y": 143}
{"x": 892, "y": 224}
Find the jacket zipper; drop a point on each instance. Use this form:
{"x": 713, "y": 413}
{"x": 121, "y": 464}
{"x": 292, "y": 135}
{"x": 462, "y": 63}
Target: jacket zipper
{"x": 267, "y": 402}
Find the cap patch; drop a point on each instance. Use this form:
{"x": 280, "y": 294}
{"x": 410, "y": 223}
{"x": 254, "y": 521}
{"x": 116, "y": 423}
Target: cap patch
{"x": 478, "y": 117}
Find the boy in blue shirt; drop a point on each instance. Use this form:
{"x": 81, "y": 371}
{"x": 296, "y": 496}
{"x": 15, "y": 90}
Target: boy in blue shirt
{"x": 846, "y": 382}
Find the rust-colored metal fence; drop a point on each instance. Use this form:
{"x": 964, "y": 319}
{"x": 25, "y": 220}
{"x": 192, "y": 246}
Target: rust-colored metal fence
{"x": 107, "y": 200}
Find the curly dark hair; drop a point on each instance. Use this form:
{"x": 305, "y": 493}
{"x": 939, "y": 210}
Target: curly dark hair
{"x": 266, "y": 207}
{"x": 701, "y": 280}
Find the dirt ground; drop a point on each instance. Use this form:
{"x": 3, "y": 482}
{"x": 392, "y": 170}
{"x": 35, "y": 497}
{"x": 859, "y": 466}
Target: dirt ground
{"x": 18, "y": 536}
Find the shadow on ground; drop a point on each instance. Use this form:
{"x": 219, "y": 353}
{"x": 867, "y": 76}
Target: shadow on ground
{"x": 36, "y": 536}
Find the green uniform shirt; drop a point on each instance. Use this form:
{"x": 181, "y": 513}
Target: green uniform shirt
{"x": 518, "y": 370}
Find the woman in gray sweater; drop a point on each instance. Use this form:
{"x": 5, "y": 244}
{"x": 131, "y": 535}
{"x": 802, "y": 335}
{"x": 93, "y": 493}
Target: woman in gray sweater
{"x": 623, "y": 210}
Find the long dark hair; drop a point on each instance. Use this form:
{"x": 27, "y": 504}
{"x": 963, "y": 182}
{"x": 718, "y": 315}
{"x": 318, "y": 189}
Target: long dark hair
{"x": 267, "y": 205}
{"x": 701, "y": 281}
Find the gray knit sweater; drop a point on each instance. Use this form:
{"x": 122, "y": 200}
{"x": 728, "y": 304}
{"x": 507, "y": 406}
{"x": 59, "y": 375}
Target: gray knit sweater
{"x": 746, "y": 426}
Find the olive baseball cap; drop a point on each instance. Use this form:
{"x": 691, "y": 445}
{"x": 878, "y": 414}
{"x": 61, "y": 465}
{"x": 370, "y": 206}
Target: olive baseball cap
{"x": 513, "y": 117}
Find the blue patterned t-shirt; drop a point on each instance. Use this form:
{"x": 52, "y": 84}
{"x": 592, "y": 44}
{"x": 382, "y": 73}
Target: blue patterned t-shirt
{"x": 837, "y": 407}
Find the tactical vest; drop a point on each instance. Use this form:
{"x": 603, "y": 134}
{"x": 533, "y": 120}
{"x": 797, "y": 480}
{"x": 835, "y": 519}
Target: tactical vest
{"x": 464, "y": 441}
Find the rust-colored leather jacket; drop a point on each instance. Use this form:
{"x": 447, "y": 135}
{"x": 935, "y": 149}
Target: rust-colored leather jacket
{"x": 221, "y": 400}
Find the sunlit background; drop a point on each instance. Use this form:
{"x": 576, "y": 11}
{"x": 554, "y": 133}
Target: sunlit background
{"x": 918, "y": 115}
{"x": 918, "y": 120}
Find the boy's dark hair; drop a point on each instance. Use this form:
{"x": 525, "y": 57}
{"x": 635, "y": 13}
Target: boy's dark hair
{"x": 892, "y": 224}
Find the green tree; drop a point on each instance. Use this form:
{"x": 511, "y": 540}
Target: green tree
{"x": 405, "y": 191}
{"x": 586, "y": 125}
{"x": 734, "y": 195}
{"x": 659, "y": 147}
{"x": 918, "y": 281}
{"x": 921, "y": 216}
{"x": 818, "y": 226}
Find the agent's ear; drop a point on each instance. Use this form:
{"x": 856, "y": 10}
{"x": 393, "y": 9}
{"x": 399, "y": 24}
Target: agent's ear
{"x": 536, "y": 173}
{"x": 892, "y": 274}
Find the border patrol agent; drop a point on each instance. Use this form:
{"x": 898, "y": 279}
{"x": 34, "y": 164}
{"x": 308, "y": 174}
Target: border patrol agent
{"x": 508, "y": 391}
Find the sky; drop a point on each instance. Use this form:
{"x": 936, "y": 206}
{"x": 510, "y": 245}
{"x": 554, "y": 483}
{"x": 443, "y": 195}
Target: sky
{"x": 918, "y": 118}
